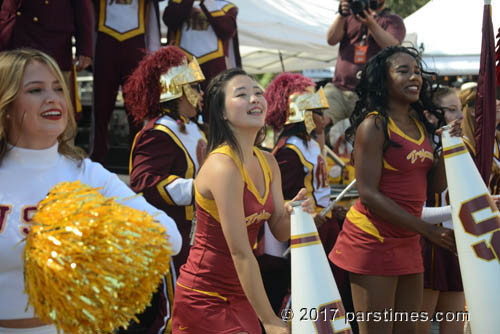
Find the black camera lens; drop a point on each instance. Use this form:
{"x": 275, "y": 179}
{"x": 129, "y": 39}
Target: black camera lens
{"x": 357, "y": 7}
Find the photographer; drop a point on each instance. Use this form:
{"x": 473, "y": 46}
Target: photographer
{"x": 363, "y": 28}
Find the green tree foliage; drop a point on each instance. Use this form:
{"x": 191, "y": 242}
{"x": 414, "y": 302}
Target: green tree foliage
{"x": 405, "y": 7}
{"x": 265, "y": 78}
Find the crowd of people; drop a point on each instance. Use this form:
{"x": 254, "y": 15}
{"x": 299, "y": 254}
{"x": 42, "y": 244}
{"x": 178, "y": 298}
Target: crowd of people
{"x": 197, "y": 122}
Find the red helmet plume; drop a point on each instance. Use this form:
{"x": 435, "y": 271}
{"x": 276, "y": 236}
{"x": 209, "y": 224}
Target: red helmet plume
{"x": 142, "y": 88}
{"x": 277, "y": 95}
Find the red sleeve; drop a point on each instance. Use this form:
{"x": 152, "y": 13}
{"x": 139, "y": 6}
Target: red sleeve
{"x": 176, "y": 12}
{"x": 84, "y": 27}
{"x": 224, "y": 25}
{"x": 292, "y": 172}
{"x": 396, "y": 27}
{"x": 152, "y": 160}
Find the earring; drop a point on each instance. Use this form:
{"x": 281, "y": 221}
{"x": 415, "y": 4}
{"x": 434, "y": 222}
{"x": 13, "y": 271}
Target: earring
{"x": 8, "y": 116}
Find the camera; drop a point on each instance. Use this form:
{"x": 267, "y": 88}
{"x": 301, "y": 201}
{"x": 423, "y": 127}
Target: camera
{"x": 357, "y": 6}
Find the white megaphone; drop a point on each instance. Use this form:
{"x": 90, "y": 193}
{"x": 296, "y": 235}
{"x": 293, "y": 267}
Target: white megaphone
{"x": 476, "y": 222}
{"x": 316, "y": 303}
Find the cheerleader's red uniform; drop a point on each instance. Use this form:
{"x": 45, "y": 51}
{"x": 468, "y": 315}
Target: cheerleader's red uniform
{"x": 369, "y": 245}
{"x": 166, "y": 182}
{"x": 209, "y": 297}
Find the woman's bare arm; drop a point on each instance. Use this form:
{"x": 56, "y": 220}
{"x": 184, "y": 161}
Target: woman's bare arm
{"x": 220, "y": 179}
{"x": 368, "y": 155}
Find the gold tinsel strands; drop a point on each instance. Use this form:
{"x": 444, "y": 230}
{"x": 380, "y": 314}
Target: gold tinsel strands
{"x": 92, "y": 263}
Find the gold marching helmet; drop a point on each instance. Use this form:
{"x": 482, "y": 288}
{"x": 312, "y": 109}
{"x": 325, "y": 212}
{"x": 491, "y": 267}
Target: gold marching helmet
{"x": 301, "y": 106}
{"x": 177, "y": 81}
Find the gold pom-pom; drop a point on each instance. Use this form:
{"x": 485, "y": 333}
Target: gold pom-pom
{"x": 92, "y": 263}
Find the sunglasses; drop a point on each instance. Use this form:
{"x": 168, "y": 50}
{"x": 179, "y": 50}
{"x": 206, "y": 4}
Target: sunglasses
{"x": 195, "y": 86}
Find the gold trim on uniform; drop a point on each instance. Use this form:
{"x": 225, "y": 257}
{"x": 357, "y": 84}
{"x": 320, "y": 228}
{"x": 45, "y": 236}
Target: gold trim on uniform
{"x": 207, "y": 204}
{"x": 308, "y": 181}
{"x": 161, "y": 187}
{"x": 203, "y": 58}
{"x": 210, "y": 206}
{"x": 389, "y": 167}
{"x": 267, "y": 177}
{"x": 118, "y": 35}
{"x": 189, "y": 161}
{"x": 225, "y": 149}
{"x": 469, "y": 146}
{"x": 219, "y": 52}
{"x": 130, "y": 162}
{"x": 222, "y": 11}
{"x": 392, "y": 126}
{"x": 363, "y": 223}
{"x": 208, "y": 293}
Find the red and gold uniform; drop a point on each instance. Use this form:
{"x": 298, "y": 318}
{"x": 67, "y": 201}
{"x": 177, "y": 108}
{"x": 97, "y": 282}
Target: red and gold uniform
{"x": 166, "y": 179}
{"x": 166, "y": 156}
{"x": 206, "y": 30}
{"x": 48, "y": 26}
{"x": 166, "y": 182}
{"x": 125, "y": 30}
{"x": 369, "y": 245}
{"x": 494, "y": 184}
{"x": 292, "y": 99}
{"x": 303, "y": 166}
{"x": 209, "y": 297}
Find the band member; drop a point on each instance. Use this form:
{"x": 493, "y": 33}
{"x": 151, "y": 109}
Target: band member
{"x": 166, "y": 155}
{"x": 125, "y": 30}
{"x": 295, "y": 112}
{"x": 207, "y": 30}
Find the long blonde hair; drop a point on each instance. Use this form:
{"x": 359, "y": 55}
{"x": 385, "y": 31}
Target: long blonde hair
{"x": 468, "y": 99}
{"x": 12, "y": 66}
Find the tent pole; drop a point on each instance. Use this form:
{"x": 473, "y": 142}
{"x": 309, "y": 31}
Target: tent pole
{"x": 281, "y": 61}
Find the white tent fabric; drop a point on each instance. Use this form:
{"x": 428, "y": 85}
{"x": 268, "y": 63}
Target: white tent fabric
{"x": 449, "y": 31}
{"x": 295, "y": 28}
{"x": 288, "y": 32}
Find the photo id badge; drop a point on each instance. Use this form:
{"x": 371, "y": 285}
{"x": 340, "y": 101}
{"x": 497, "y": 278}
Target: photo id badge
{"x": 360, "y": 53}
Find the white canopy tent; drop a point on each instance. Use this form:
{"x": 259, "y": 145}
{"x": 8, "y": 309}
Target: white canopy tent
{"x": 449, "y": 31}
{"x": 289, "y": 34}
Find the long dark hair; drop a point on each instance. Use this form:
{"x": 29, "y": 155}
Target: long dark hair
{"x": 373, "y": 95}
{"x": 219, "y": 131}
